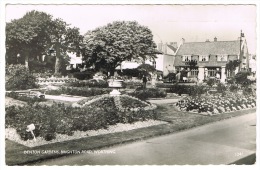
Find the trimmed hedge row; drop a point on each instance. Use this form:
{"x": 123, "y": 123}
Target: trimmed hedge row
{"x": 27, "y": 99}
{"x": 79, "y": 91}
{"x": 186, "y": 89}
{"x": 144, "y": 94}
{"x": 89, "y": 83}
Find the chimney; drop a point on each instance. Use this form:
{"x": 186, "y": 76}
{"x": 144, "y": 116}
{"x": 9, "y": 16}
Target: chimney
{"x": 215, "y": 39}
{"x": 182, "y": 41}
{"x": 160, "y": 46}
{"x": 174, "y": 44}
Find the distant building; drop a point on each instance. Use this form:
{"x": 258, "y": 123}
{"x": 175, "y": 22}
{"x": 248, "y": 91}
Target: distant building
{"x": 166, "y": 59}
{"x": 252, "y": 64}
{"x": 212, "y": 57}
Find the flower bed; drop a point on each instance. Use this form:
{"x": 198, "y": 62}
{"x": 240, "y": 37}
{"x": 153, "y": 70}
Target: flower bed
{"x": 11, "y": 134}
{"x": 129, "y": 109}
{"x": 216, "y": 104}
{"x": 96, "y": 113}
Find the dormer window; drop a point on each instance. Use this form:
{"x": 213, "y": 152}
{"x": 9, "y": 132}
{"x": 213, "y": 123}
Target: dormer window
{"x": 203, "y": 58}
{"x": 222, "y": 57}
{"x": 186, "y": 58}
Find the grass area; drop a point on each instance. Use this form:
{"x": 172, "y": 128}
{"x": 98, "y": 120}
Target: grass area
{"x": 17, "y": 154}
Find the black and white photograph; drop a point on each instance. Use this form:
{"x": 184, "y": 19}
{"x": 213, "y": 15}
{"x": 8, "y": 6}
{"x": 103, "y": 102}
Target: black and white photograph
{"x": 110, "y": 84}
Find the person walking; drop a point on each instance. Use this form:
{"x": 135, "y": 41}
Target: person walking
{"x": 144, "y": 81}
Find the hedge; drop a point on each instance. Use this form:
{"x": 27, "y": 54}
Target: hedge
{"x": 79, "y": 91}
{"x": 89, "y": 83}
{"x": 144, "y": 94}
{"x": 27, "y": 99}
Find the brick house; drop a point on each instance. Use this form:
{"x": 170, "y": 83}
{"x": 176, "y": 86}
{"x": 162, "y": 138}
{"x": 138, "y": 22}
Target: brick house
{"x": 212, "y": 57}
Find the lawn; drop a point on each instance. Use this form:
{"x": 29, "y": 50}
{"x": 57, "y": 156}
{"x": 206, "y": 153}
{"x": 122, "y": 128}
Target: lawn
{"x": 17, "y": 154}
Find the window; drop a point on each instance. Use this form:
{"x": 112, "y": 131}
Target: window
{"x": 222, "y": 58}
{"x": 203, "y": 58}
{"x": 186, "y": 58}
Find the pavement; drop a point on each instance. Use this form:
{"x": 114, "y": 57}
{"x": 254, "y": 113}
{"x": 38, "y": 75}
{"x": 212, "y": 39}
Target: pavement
{"x": 64, "y": 97}
{"x": 223, "y": 142}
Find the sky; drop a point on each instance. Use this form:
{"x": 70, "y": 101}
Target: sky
{"x": 168, "y": 23}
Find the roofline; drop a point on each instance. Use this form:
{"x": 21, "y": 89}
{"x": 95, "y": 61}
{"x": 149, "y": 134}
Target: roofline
{"x": 210, "y": 41}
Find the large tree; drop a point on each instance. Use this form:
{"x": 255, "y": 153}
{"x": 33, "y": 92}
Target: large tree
{"x": 63, "y": 39}
{"x": 37, "y": 34}
{"x": 26, "y": 37}
{"x": 107, "y": 47}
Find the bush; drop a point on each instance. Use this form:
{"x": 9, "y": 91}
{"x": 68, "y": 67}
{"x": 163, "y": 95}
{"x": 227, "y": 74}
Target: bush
{"x": 90, "y": 83}
{"x": 195, "y": 90}
{"x": 19, "y": 78}
{"x": 144, "y": 94}
{"x": 180, "y": 89}
{"x": 241, "y": 78}
{"x": 233, "y": 88}
{"x": 79, "y": 91}
{"x": 83, "y": 75}
{"x": 29, "y": 100}
{"x": 221, "y": 88}
{"x": 211, "y": 81}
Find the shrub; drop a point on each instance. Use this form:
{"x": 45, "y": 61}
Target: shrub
{"x": 144, "y": 94}
{"x": 180, "y": 89}
{"x": 221, "y": 88}
{"x": 99, "y": 83}
{"x": 79, "y": 91}
{"x": 211, "y": 81}
{"x": 83, "y": 75}
{"x": 27, "y": 99}
{"x": 241, "y": 78}
{"x": 197, "y": 90}
{"x": 233, "y": 88}
{"x": 19, "y": 78}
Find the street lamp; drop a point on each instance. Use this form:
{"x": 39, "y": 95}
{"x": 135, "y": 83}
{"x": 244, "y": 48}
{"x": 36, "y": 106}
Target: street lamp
{"x": 18, "y": 56}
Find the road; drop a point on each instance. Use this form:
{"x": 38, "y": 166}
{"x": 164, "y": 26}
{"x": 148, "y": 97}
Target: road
{"x": 221, "y": 142}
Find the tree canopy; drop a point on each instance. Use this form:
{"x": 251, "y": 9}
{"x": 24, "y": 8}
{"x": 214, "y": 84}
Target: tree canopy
{"x": 27, "y": 35}
{"x": 108, "y": 46}
{"x": 33, "y": 35}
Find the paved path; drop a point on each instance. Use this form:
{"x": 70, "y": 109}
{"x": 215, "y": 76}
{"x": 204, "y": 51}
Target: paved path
{"x": 65, "y": 97}
{"x": 221, "y": 142}
{"x": 163, "y": 101}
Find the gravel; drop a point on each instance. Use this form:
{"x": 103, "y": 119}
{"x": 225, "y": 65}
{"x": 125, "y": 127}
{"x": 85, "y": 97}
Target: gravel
{"x": 11, "y": 134}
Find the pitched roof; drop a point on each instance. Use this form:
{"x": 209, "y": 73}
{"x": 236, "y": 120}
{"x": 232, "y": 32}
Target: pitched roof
{"x": 172, "y": 48}
{"x": 207, "y": 48}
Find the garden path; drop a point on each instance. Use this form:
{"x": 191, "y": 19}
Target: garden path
{"x": 69, "y": 98}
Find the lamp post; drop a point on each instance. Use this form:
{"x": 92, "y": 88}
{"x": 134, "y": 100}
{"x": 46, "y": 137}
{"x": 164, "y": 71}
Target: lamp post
{"x": 18, "y": 57}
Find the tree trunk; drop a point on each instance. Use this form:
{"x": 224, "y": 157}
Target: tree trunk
{"x": 58, "y": 59}
{"x": 26, "y": 61}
